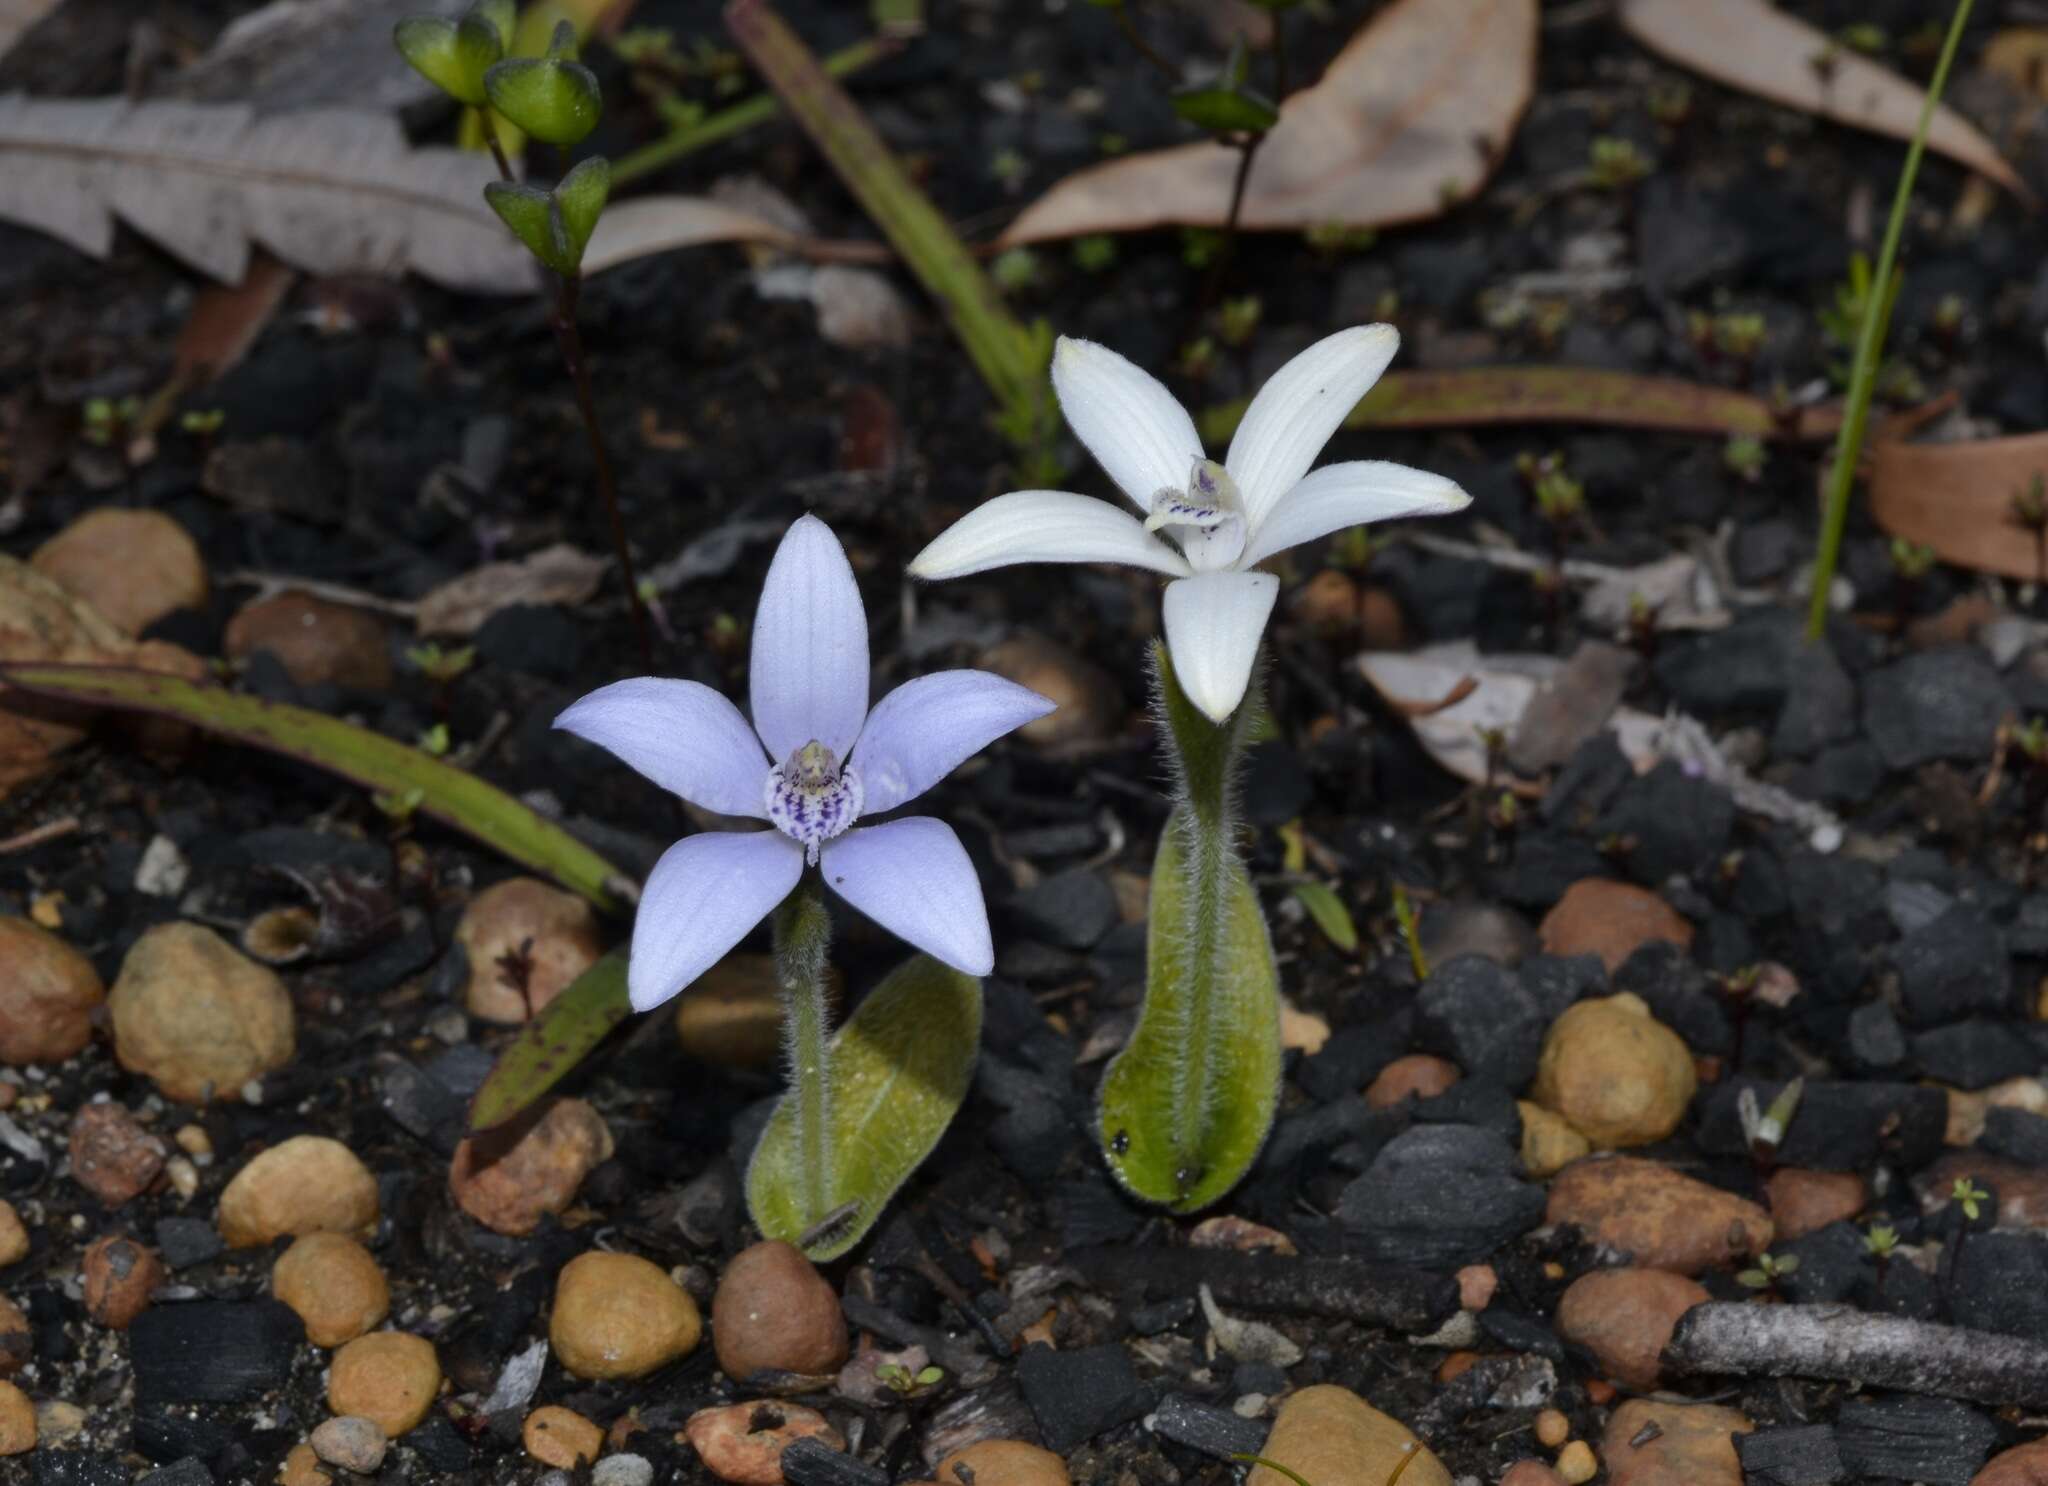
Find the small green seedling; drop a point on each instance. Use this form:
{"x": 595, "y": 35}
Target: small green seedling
{"x": 1094, "y": 253}
{"x": 202, "y": 423}
{"x": 1744, "y": 456}
{"x": 1881, "y": 1241}
{"x": 435, "y": 740}
{"x": 1764, "y": 1130}
{"x": 1227, "y": 105}
{"x": 1014, "y": 269}
{"x": 555, "y": 225}
{"x": 440, "y": 666}
{"x": 554, "y": 98}
{"x": 1912, "y": 561}
{"x": 1768, "y": 1271}
{"x": 1615, "y": 164}
{"x": 1970, "y": 1197}
{"x": 903, "y": 1382}
{"x": 107, "y": 420}
{"x": 1200, "y": 247}
{"x": 399, "y": 806}
{"x": 455, "y": 55}
{"x": 1238, "y": 319}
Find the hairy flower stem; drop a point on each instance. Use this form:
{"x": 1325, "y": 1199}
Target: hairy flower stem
{"x": 570, "y": 339}
{"x": 803, "y": 932}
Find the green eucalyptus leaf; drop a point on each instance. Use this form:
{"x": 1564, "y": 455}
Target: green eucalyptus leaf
{"x": 535, "y": 218}
{"x": 896, "y": 1072}
{"x": 581, "y": 195}
{"x": 1225, "y": 110}
{"x": 553, "y": 1044}
{"x": 451, "y": 55}
{"x": 553, "y": 98}
{"x": 1329, "y": 912}
{"x": 1187, "y": 1104}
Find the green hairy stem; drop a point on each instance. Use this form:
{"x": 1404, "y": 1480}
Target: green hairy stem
{"x": 803, "y": 931}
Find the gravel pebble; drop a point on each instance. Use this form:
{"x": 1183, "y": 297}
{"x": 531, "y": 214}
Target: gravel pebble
{"x": 308, "y": 1184}
{"x": 620, "y": 1316}
{"x": 351, "y": 1442}
{"x": 197, "y": 1016}
{"x": 334, "y": 1284}
{"x": 390, "y": 1377}
{"x": 773, "y": 1309}
{"x": 48, "y": 991}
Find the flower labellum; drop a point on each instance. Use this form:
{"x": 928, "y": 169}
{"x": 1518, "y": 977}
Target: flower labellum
{"x": 814, "y": 763}
{"x": 1224, "y": 519}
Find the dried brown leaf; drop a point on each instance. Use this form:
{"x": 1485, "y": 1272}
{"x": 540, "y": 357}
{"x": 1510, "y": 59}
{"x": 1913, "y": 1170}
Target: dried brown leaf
{"x": 224, "y": 322}
{"x": 554, "y": 575}
{"x": 1410, "y": 119}
{"x": 1958, "y": 499}
{"x": 1754, "y": 46}
{"x": 660, "y": 224}
{"x": 19, "y": 17}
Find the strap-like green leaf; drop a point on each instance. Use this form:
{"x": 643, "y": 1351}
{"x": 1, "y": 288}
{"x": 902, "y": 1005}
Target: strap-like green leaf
{"x": 550, "y": 1046}
{"x": 897, "y": 1072}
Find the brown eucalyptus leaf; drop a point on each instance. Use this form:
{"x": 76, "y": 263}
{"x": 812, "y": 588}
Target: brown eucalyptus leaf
{"x": 560, "y": 574}
{"x": 659, "y": 224}
{"x": 327, "y": 190}
{"x": 1754, "y": 46}
{"x": 1958, "y": 499}
{"x": 1410, "y": 119}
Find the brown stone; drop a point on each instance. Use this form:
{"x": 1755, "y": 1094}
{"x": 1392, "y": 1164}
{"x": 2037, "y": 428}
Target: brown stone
{"x": 554, "y": 933}
{"x": 17, "y": 1340}
{"x": 1624, "y": 1317}
{"x": 2022, "y": 1191}
{"x": 1327, "y": 604}
{"x": 1089, "y": 705}
{"x": 1530, "y": 1473}
{"x": 743, "y": 1442}
{"x": 112, "y": 1156}
{"x": 619, "y": 1316}
{"x": 133, "y": 566}
{"x": 302, "y": 1467}
{"x": 1659, "y": 1217}
{"x": 1227, "y": 1231}
{"x": 1577, "y": 1464}
{"x": 1002, "y": 1463}
{"x": 13, "y": 1237}
{"x": 334, "y": 1285}
{"x": 196, "y": 1016}
{"x": 561, "y": 1437}
{"x": 1331, "y": 1436}
{"x": 731, "y": 1016}
{"x": 1552, "y": 1428}
{"x": 1804, "y": 1202}
{"x": 17, "y": 1421}
{"x": 388, "y": 1377}
{"x": 1549, "y": 1143}
{"x": 1476, "y": 1286}
{"x": 351, "y": 1442}
{"x": 774, "y": 1310}
{"x": 318, "y": 642}
{"x": 1598, "y": 916}
{"x": 308, "y": 1184}
{"x": 48, "y": 991}
{"x": 1691, "y": 1445}
{"x": 1414, "y": 1075}
{"x": 41, "y": 620}
{"x": 120, "y": 1275}
{"x": 507, "y": 1180}
{"x": 2022, "y": 1465}
{"x": 1616, "y": 1073}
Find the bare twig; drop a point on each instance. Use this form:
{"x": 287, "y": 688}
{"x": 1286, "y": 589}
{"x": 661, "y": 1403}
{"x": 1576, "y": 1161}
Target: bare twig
{"x": 49, "y": 830}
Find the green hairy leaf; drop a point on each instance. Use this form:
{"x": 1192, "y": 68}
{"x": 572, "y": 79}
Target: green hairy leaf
{"x": 553, "y": 1044}
{"x": 553, "y": 98}
{"x": 1186, "y": 1105}
{"x": 897, "y": 1072}
{"x": 372, "y": 760}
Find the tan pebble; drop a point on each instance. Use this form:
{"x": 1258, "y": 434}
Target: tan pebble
{"x": 509, "y": 1179}
{"x": 743, "y": 1442}
{"x": 302, "y": 1468}
{"x": 1476, "y": 1284}
{"x": 1549, "y": 1143}
{"x": 48, "y": 991}
{"x": 1616, "y": 1073}
{"x": 17, "y": 1421}
{"x": 1417, "y": 1075}
{"x": 1325, "y": 1433}
{"x": 133, "y": 566}
{"x": 1692, "y": 1444}
{"x": 1530, "y": 1473}
{"x": 318, "y": 642}
{"x": 1456, "y": 1365}
{"x": 619, "y": 1316}
{"x": 1305, "y": 1031}
{"x": 183, "y": 1176}
{"x": 557, "y": 931}
{"x": 1966, "y": 1113}
{"x": 1242, "y": 1234}
{"x": 13, "y": 1237}
{"x": 389, "y": 1377}
{"x": 120, "y": 1275}
{"x": 193, "y": 1141}
{"x": 1090, "y": 705}
{"x": 58, "y": 1422}
{"x": 112, "y": 1156}
{"x": 561, "y": 1437}
{"x": 197, "y": 1016}
{"x": 1002, "y": 1463}
{"x": 17, "y": 1340}
{"x": 1661, "y": 1218}
{"x": 731, "y": 1017}
{"x": 334, "y": 1285}
{"x": 1624, "y": 1317}
{"x": 1804, "y": 1202}
{"x": 308, "y": 1184}
{"x": 1599, "y": 916}
{"x": 351, "y": 1442}
{"x": 774, "y": 1310}
{"x": 1577, "y": 1464}
{"x": 2022, "y": 1465}
{"x": 1552, "y": 1429}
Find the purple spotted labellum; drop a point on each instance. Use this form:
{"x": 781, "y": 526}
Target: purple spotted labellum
{"x": 815, "y": 761}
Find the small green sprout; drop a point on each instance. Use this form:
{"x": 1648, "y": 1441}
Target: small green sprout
{"x": 1239, "y": 319}
{"x": 1199, "y": 358}
{"x": 1404, "y": 915}
{"x": 399, "y": 806}
{"x": 1881, "y": 1241}
{"x": 1559, "y": 498}
{"x": 1670, "y": 101}
{"x": 554, "y": 98}
{"x": 438, "y": 665}
{"x": 1912, "y": 561}
{"x": 1333, "y": 239}
{"x": 202, "y": 423}
{"x": 555, "y": 225}
{"x": 108, "y": 419}
{"x": 1739, "y": 334}
{"x": 435, "y": 740}
{"x": 1227, "y": 106}
{"x": 2031, "y": 739}
{"x": 1769, "y": 1269}
{"x": 1199, "y": 246}
{"x": 1009, "y": 169}
{"x": 1970, "y": 1196}
{"x": 899, "y": 1379}
{"x": 1744, "y": 456}
{"x": 1355, "y": 547}
{"x": 1949, "y": 314}
{"x": 1615, "y": 163}
{"x": 1014, "y": 270}
{"x": 1095, "y": 252}
{"x": 455, "y": 55}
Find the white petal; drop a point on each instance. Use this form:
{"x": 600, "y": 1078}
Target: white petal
{"x": 1043, "y": 526}
{"x": 912, "y": 877}
{"x": 1341, "y": 495}
{"x": 809, "y": 675}
{"x": 924, "y": 729}
{"x": 1295, "y": 413}
{"x": 1214, "y": 622}
{"x": 1137, "y": 430}
{"x": 685, "y": 737}
{"x": 702, "y": 897}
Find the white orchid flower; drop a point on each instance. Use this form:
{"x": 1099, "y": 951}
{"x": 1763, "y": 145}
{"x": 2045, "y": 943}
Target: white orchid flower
{"x": 814, "y": 761}
{"x": 1225, "y": 518}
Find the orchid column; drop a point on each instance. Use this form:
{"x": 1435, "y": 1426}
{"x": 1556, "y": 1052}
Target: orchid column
{"x": 864, "y": 1107}
{"x": 1187, "y": 1104}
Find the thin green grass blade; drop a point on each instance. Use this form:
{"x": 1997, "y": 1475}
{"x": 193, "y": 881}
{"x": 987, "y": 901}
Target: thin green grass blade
{"x": 550, "y": 1047}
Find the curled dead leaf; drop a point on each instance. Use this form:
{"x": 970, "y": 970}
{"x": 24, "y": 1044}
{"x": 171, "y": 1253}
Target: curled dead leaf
{"x": 560, "y": 574}
{"x": 1962, "y": 499}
